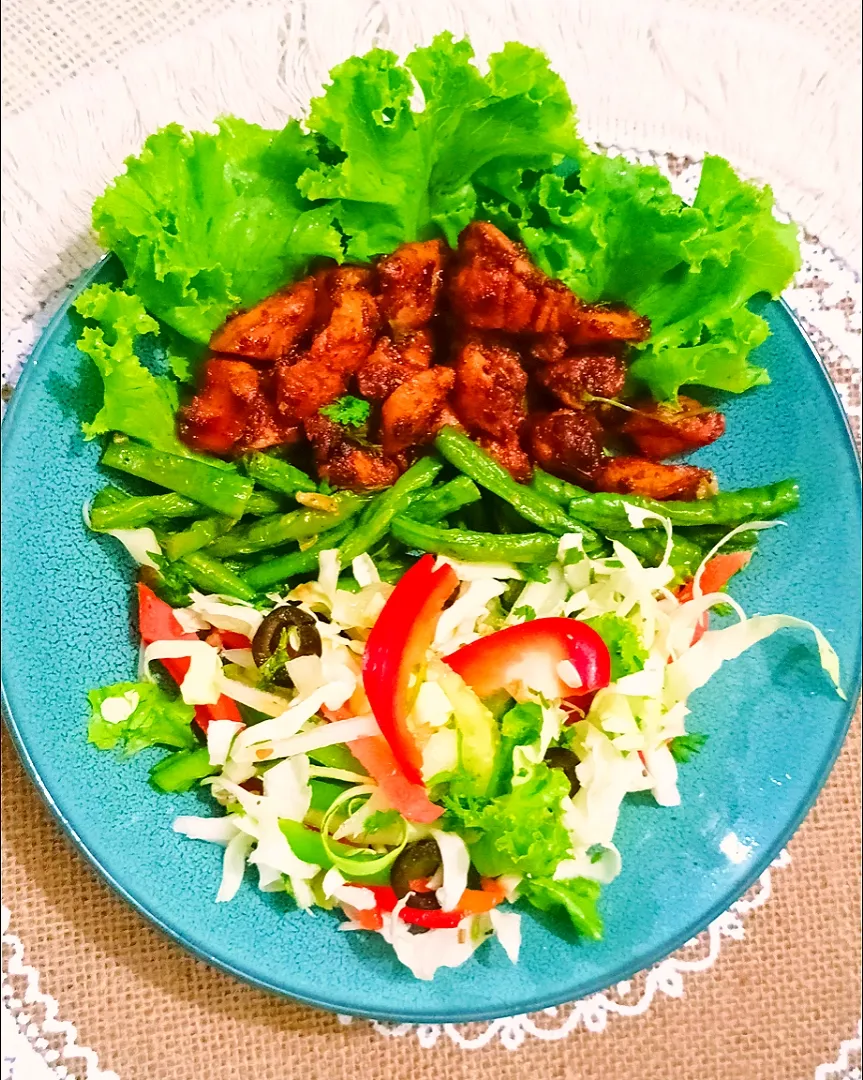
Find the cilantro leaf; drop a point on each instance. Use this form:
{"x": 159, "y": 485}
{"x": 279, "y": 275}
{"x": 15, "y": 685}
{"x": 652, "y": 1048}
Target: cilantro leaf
{"x": 137, "y": 715}
{"x": 348, "y": 411}
{"x": 524, "y": 614}
{"x": 624, "y": 644}
{"x": 577, "y": 896}
{"x": 275, "y": 663}
{"x": 684, "y": 746}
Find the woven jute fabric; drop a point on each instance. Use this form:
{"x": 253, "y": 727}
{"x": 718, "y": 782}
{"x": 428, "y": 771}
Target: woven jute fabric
{"x": 774, "y": 1007}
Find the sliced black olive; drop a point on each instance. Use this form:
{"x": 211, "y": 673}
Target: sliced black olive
{"x": 299, "y": 631}
{"x": 421, "y": 859}
{"x": 425, "y": 901}
{"x": 557, "y": 757}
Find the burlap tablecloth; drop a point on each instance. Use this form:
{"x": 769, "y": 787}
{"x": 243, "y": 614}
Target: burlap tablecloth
{"x": 777, "y": 1004}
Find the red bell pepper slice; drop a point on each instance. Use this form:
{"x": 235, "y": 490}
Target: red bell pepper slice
{"x": 156, "y": 619}
{"x": 716, "y": 574}
{"x": 528, "y": 656}
{"x": 157, "y": 622}
{"x": 227, "y": 639}
{"x": 396, "y": 650}
{"x": 431, "y": 920}
{"x": 411, "y": 800}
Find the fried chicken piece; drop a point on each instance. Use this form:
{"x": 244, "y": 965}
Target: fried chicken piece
{"x": 547, "y": 349}
{"x": 232, "y": 411}
{"x": 323, "y": 374}
{"x": 638, "y": 476}
{"x": 488, "y": 395}
{"x": 496, "y": 287}
{"x": 390, "y": 364}
{"x": 570, "y": 379}
{"x": 510, "y": 454}
{"x": 600, "y": 323}
{"x": 410, "y": 281}
{"x": 306, "y": 386}
{"x": 659, "y": 431}
{"x": 349, "y": 335}
{"x": 271, "y": 329}
{"x": 264, "y": 426}
{"x": 345, "y": 464}
{"x": 414, "y": 413}
{"x": 568, "y": 444}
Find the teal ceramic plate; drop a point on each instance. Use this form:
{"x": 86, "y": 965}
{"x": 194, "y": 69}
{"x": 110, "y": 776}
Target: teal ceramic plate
{"x": 774, "y": 723}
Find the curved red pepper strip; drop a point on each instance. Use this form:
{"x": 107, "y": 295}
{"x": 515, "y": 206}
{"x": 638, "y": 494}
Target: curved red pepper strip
{"x": 717, "y": 573}
{"x": 157, "y": 622}
{"x": 495, "y": 662}
{"x": 396, "y": 650}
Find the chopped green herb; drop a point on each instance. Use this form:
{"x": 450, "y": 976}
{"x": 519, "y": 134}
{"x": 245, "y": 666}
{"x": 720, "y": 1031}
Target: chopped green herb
{"x": 348, "y": 411}
{"x": 684, "y": 746}
{"x": 524, "y": 614}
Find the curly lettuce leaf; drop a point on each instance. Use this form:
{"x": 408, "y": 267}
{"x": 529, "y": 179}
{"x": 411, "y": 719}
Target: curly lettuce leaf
{"x": 136, "y": 401}
{"x": 202, "y": 222}
{"x": 391, "y": 173}
{"x": 624, "y": 644}
{"x": 520, "y": 832}
{"x": 615, "y": 231}
{"x": 137, "y": 715}
{"x": 577, "y": 897}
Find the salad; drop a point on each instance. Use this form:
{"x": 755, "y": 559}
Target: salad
{"x": 388, "y": 398}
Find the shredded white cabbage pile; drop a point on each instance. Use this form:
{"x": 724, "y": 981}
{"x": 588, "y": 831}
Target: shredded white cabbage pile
{"x": 622, "y": 744}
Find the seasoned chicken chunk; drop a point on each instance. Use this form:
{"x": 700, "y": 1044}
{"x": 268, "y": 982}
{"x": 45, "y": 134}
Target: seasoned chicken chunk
{"x": 323, "y": 373}
{"x": 306, "y": 386}
{"x": 391, "y": 363}
{"x": 233, "y": 411}
{"x": 573, "y": 377}
{"x": 660, "y": 431}
{"x": 488, "y": 395}
{"x": 568, "y": 444}
{"x": 271, "y": 329}
{"x": 349, "y": 335}
{"x": 601, "y": 323}
{"x": 345, "y": 464}
{"x": 410, "y": 281}
{"x": 496, "y": 287}
{"x": 414, "y": 413}
{"x": 637, "y": 476}
{"x": 509, "y": 453}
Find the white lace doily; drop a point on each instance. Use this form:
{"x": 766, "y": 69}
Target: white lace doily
{"x": 59, "y": 154}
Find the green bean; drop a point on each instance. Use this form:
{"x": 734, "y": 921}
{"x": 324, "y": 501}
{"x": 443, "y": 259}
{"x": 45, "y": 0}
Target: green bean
{"x": 182, "y": 770}
{"x": 475, "y": 546}
{"x": 708, "y": 536}
{"x": 278, "y": 571}
{"x": 262, "y": 504}
{"x": 222, "y": 491}
{"x": 108, "y": 496}
{"x": 561, "y": 491}
{"x": 607, "y": 511}
{"x": 379, "y": 514}
{"x": 277, "y": 475}
{"x": 271, "y": 532}
{"x": 132, "y": 512}
{"x": 198, "y": 535}
{"x": 468, "y": 458}
{"x": 649, "y": 546}
{"x": 441, "y": 501}
{"x": 214, "y": 577}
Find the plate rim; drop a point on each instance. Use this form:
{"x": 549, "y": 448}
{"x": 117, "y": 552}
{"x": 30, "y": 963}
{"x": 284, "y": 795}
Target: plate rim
{"x": 757, "y": 867}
